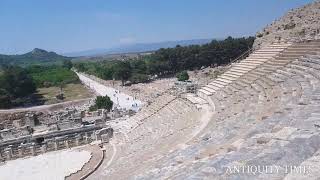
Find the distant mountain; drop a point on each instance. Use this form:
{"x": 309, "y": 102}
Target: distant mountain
{"x": 36, "y": 56}
{"x": 139, "y": 47}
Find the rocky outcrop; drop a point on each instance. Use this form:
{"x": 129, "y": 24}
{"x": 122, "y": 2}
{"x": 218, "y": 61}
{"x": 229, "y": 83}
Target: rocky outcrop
{"x": 299, "y": 24}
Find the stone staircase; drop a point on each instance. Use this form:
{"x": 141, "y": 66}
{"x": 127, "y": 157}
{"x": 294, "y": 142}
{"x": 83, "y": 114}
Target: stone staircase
{"x": 239, "y": 69}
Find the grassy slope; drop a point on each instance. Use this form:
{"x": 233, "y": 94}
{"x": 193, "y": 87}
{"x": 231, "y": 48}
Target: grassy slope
{"x": 71, "y": 92}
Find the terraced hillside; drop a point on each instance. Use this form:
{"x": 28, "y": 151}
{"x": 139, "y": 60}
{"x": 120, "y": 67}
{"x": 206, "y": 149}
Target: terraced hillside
{"x": 264, "y": 111}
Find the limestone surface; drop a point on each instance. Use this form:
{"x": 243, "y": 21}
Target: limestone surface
{"x": 296, "y": 25}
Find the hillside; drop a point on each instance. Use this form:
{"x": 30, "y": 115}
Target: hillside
{"x": 297, "y": 24}
{"x": 36, "y": 56}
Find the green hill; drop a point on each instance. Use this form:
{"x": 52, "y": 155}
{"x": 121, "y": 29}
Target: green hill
{"x": 35, "y": 57}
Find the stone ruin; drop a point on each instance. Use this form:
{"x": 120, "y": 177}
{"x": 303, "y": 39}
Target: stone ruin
{"x": 33, "y": 133}
{"x": 185, "y": 87}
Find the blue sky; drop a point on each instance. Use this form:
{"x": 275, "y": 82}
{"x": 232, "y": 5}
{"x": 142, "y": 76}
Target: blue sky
{"x": 75, "y": 25}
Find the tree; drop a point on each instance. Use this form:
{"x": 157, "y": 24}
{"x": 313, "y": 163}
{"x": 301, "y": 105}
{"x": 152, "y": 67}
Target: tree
{"x": 17, "y": 82}
{"x": 169, "y": 61}
{"x": 138, "y": 78}
{"x": 4, "y": 99}
{"x": 122, "y": 70}
{"x": 16, "y": 86}
{"x": 67, "y": 64}
{"x": 102, "y": 102}
{"x": 183, "y": 76}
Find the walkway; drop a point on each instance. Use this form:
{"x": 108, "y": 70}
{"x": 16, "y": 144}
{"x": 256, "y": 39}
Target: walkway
{"x": 121, "y": 99}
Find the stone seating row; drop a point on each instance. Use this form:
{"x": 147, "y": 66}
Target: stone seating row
{"x": 159, "y": 132}
{"x": 291, "y": 128}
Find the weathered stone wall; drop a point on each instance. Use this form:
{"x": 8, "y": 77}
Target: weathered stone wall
{"x": 16, "y": 114}
{"x": 298, "y": 24}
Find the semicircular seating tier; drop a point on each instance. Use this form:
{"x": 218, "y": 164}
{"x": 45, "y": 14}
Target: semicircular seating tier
{"x": 263, "y": 111}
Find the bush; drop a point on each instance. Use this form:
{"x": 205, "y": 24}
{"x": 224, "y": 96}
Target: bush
{"x": 183, "y": 76}
{"x": 102, "y": 102}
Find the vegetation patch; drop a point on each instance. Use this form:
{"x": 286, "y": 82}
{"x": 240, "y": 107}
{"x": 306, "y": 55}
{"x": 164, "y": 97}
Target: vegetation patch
{"x": 16, "y": 86}
{"x": 102, "y": 102}
{"x": 48, "y": 76}
{"x": 70, "y": 92}
{"x": 183, "y": 76}
{"x": 36, "y": 85}
{"x": 169, "y": 61}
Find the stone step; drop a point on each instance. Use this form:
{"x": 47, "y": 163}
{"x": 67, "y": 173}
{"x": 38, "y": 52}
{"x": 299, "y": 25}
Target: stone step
{"x": 246, "y": 65}
{"x": 269, "y": 49}
{"x": 241, "y": 85}
{"x": 266, "y": 53}
{"x": 278, "y": 46}
{"x": 213, "y": 87}
{"x": 208, "y": 89}
{"x": 221, "y": 83}
{"x": 230, "y": 75}
{"x": 238, "y": 71}
{"x": 257, "y": 59}
{"x": 260, "y": 72}
{"x": 242, "y": 68}
{"x": 230, "y": 78}
{"x": 269, "y": 67}
{"x": 251, "y": 62}
{"x": 291, "y": 54}
{"x": 260, "y": 55}
{"x": 309, "y": 45}
{"x": 276, "y": 63}
{"x": 203, "y": 93}
{"x": 301, "y": 49}
{"x": 311, "y": 51}
{"x": 225, "y": 80}
{"x": 217, "y": 84}
{"x": 233, "y": 73}
{"x": 281, "y": 60}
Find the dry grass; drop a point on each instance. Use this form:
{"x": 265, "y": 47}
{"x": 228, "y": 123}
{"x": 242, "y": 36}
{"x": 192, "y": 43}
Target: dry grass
{"x": 71, "y": 92}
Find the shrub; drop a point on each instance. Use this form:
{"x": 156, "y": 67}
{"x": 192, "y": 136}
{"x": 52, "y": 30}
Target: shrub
{"x": 102, "y": 102}
{"x": 183, "y": 76}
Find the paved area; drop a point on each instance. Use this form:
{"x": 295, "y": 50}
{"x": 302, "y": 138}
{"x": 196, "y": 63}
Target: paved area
{"x": 97, "y": 156}
{"x": 49, "y": 166}
{"x": 120, "y": 99}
